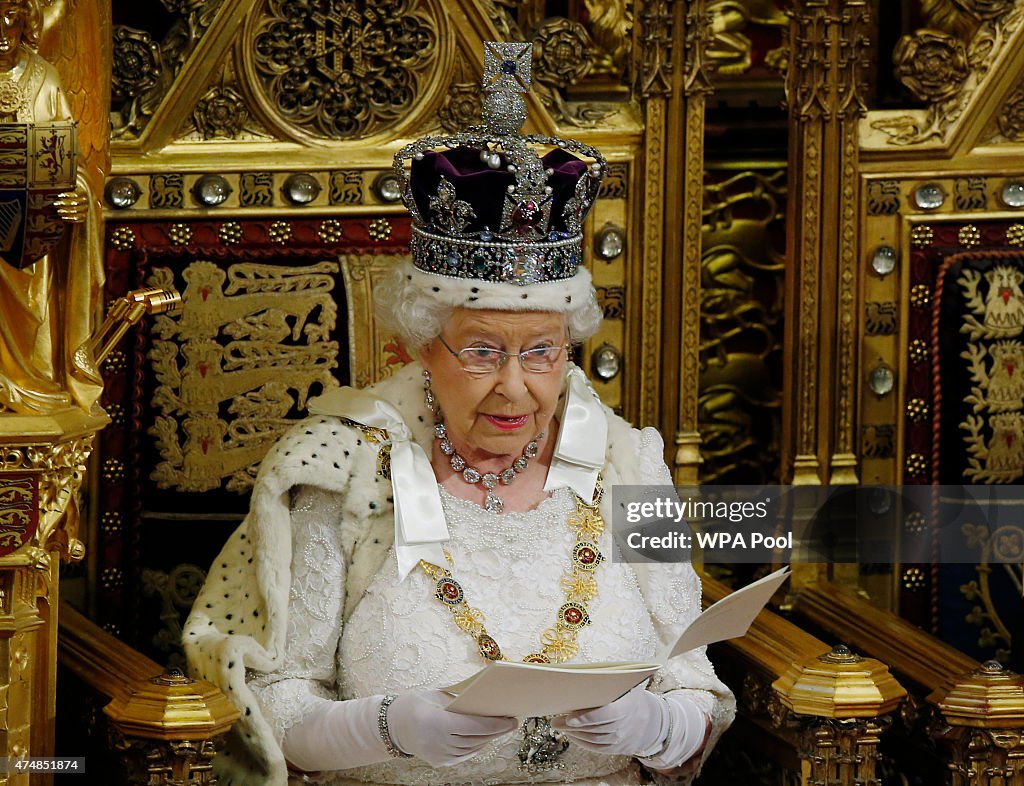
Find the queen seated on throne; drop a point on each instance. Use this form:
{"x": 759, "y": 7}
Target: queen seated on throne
{"x": 405, "y": 535}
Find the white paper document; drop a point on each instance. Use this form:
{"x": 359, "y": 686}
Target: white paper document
{"x": 521, "y": 690}
{"x": 729, "y": 618}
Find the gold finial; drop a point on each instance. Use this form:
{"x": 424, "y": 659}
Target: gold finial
{"x": 839, "y": 684}
{"x": 171, "y": 677}
{"x": 991, "y": 696}
{"x": 840, "y": 653}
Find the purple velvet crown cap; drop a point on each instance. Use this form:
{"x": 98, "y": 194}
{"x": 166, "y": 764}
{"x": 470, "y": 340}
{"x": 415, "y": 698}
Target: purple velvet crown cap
{"x": 485, "y": 189}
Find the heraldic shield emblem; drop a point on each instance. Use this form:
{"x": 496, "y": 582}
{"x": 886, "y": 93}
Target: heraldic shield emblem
{"x": 37, "y": 162}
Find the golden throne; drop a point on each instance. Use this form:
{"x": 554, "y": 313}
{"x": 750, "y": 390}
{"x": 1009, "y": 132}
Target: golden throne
{"x": 751, "y": 314}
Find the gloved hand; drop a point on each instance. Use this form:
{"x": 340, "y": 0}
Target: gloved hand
{"x": 337, "y": 735}
{"x": 632, "y": 724}
{"x": 420, "y": 725}
{"x": 663, "y": 730}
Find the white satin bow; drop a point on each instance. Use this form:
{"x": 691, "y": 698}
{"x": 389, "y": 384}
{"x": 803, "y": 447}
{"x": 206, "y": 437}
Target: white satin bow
{"x": 582, "y": 439}
{"x": 420, "y": 527}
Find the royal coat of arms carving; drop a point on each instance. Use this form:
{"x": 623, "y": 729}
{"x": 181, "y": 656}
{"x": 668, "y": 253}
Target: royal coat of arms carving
{"x": 248, "y": 347}
{"x": 993, "y": 322}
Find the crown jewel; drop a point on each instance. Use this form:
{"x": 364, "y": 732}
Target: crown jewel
{"x": 487, "y": 205}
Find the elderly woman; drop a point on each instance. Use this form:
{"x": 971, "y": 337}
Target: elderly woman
{"x": 405, "y": 535}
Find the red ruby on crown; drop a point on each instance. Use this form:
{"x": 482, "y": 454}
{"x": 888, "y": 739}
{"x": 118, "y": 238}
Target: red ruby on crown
{"x": 526, "y": 217}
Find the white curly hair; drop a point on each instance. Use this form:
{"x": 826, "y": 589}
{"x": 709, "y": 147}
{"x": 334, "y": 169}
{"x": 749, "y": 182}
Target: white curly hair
{"x": 416, "y": 305}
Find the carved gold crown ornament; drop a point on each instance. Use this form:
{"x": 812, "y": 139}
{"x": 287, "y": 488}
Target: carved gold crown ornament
{"x": 488, "y": 206}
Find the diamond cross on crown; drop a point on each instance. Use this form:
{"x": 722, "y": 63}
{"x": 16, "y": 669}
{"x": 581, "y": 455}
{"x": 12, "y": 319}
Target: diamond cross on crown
{"x": 507, "y": 66}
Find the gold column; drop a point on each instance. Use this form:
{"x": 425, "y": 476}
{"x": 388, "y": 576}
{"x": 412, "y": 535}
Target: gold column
{"x": 20, "y": 627}
{"x": 828, "y": 44}
{"x": 673, "y": 85}
{"x": 655, "y": 88}
{"x": 842, "y": 702}
{"x": 43, "y": 460}
{"x": 696, "y": 86}
{"x": 981, "y": 726}
{"x": 42, "y": 463}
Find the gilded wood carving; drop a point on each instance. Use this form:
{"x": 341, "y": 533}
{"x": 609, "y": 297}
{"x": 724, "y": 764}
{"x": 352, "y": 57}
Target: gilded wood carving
{"x": 825, "y": 88}
{"x": 373, "y": 354}
{"x": 47, "y": 289}
{"x": 956, "y": 73}
{"x": 731, "y": 48}
{"x": 742, "y": 273}
{"x": 341, "y": 70}
{"x": 251, "y": 338}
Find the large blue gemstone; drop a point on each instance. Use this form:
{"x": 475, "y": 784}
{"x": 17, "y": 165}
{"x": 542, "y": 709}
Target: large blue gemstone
{"x": 508, "y": 66}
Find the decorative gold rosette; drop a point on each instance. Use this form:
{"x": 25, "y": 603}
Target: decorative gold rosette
{"x": 12, "y": 97}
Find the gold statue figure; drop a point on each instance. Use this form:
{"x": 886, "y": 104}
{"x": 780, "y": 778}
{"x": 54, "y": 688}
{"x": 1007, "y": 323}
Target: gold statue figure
{"x": 46, "y": 305}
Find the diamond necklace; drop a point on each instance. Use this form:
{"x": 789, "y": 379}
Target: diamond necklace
{"x": 489, "y": 480}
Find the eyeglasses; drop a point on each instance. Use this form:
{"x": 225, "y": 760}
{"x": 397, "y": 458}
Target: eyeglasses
{"x": 484, "y": 360}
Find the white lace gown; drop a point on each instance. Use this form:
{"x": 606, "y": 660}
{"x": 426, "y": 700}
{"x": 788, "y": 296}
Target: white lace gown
{"x": 400, "y": 638}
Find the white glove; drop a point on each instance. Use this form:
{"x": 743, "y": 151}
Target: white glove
{"x": 632, "y": 724}
{"x": 420, "y": 725}
{"x": 665, "y": 730}
{"x": 335, "y": 735}
{"x": 338, "y": 735}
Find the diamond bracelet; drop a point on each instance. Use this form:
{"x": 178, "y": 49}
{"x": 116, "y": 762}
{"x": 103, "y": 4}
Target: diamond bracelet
{"x": 385, "y": 734}
{"x": 662, "y": 746}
